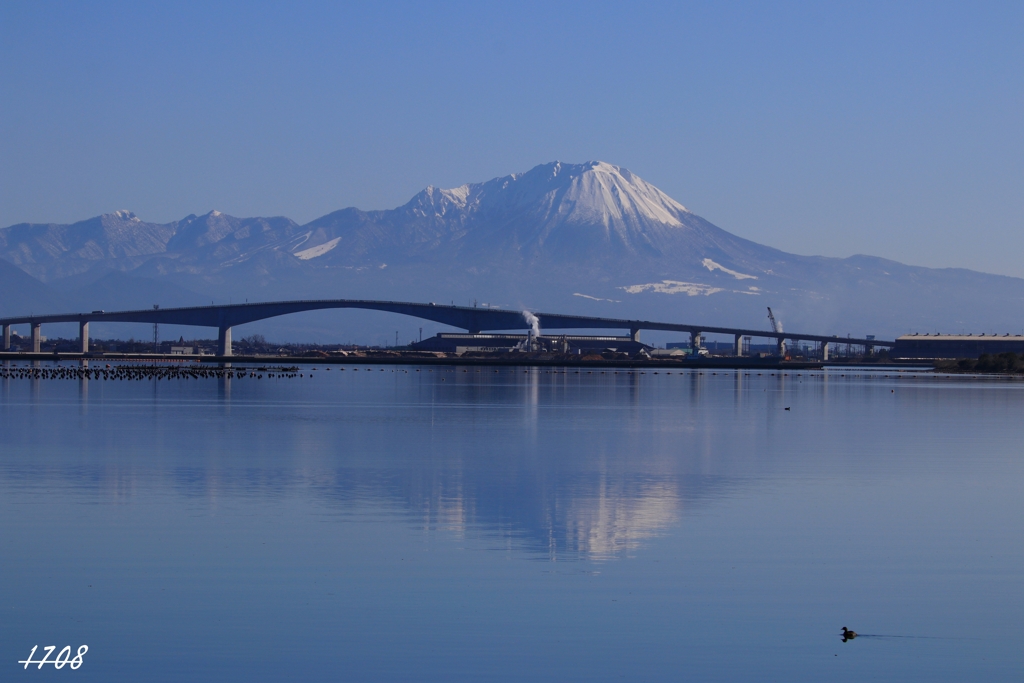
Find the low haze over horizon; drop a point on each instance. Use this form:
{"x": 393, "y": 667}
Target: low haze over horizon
{"x": 878, "y": 129}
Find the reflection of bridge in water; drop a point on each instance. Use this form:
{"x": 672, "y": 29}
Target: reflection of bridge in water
{"x": 471, "y": 319}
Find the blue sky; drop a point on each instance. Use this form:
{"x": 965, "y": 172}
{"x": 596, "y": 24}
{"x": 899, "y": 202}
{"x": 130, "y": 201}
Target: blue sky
{"x": 893, "y": 129}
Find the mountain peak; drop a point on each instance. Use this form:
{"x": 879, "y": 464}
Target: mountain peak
{"x": 594, "y": 192}
{"x": 124, "y": 215}
{"x": 434, "y": 201}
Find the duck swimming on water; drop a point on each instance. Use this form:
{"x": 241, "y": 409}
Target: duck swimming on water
{"x": 848, "y": 634}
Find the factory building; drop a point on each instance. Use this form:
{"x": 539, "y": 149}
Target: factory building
{"x": 505, "y": 343}
{"x": 955, "y": 345}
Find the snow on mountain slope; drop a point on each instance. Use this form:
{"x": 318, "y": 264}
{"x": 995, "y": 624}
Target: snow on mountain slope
{"x": 568, "y": 213}
{"x": 592, "y": 193}
{"x": 319, "y": 250}
{"x": 563, "y": 209}
{"x": 712, "y": 266}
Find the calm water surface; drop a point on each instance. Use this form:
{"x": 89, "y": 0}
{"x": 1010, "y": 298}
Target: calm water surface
{"x": 451, "y": 525}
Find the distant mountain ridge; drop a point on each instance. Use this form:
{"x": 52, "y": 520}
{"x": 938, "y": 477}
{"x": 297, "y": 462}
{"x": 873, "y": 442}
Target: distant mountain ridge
{"x": 591, "y": 238}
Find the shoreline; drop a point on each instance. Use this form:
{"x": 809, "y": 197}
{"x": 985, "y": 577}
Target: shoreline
{"x": 400, "y": 358}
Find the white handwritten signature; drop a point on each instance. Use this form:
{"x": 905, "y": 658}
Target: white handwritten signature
{"x": 63, "y": 657}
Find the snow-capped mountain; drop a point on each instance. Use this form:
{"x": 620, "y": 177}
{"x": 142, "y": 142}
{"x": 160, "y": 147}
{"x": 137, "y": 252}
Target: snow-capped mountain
{"x": 590, "y": 238}
{"x": 568, "y": 213}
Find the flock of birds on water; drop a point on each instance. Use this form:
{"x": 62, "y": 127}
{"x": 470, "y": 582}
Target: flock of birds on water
{"x": 142, "y": 372}
{"x": 162, "y": 372}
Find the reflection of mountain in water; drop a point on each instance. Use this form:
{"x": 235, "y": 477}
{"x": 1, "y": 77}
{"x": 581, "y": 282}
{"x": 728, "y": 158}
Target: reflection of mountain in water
{"x": 560, "y": 469}
{"x": 595, "y": 518}
{"x": 614, "y": 519}
{"x": 599, "y": 518}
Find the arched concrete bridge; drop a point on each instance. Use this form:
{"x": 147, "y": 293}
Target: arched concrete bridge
{"x": 473, "y": 320}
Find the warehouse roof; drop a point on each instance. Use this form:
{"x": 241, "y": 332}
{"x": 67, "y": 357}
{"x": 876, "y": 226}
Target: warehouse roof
{"x": 960, "y": 337}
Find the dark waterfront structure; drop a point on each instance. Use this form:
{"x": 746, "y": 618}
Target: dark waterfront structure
{"x": 561, "y": 343}
{"x": 955, "y": 345}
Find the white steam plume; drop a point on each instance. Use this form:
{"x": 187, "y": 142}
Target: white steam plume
{"x": 533, "y": 322}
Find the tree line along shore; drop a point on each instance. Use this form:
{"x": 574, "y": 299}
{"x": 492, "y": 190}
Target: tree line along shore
{"x": 1008, "y": 363}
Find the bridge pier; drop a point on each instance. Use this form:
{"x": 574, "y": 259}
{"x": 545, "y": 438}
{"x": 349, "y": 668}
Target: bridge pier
{"x": 738, "y": 341}
{"x": 634, "y": 333}
{"x": 83, "y": 335}
{"x": 7, "y": 337}
{"x": 695, "y": 342}
{"x": 824, "y": 350}
{"x": 780, "y": 346}
{"x": 36, "y": 341}
{"x": 224, "y": 342}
